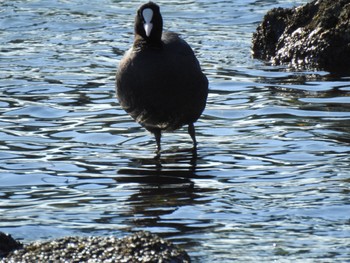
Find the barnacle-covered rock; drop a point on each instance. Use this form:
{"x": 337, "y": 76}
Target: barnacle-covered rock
{"x": 315, "y": 35}
{"x": 8, "y": 244}
{"x": 138, "y": 247}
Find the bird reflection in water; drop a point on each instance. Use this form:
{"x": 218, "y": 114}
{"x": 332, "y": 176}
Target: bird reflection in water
{"x": 163, "y": 185}
{"x": 172, "y": 168}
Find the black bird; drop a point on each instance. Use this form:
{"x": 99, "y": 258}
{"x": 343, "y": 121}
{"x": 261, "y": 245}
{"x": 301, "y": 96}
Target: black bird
{"x": 159, "y": 80}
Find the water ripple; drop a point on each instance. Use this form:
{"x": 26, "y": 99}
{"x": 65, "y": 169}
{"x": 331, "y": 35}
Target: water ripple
{"x": 270, "y": 178}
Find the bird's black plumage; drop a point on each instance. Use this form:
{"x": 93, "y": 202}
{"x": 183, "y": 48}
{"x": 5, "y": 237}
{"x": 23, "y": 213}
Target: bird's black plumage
{"x": 159, "y": 80}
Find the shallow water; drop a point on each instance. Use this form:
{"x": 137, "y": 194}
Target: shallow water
{"x": 270, "y": 181}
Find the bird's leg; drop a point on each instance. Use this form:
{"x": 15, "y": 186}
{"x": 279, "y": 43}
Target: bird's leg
{"x": 158, "y": 135}
{"x": 192, "y": 132}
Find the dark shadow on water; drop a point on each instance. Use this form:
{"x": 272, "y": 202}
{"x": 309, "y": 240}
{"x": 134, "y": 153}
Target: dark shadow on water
{"x": 171, "y": 167}
{"x": 165, "y": 185}
{"x": 331, "y": 107}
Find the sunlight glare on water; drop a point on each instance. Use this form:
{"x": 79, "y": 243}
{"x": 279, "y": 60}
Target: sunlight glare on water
{"x": 270, "y": 182}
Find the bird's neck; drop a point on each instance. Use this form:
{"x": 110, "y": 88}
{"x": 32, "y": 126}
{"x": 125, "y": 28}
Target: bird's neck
{"x": 141, "y": 43}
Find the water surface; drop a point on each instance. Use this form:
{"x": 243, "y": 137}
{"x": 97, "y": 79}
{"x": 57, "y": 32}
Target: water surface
{"x": 270, "y": 181}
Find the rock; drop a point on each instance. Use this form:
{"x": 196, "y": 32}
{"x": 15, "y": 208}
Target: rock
{"x": 8, "y": 244}
{"x": 313, "y": 36}
{"x": 139, "y": 247}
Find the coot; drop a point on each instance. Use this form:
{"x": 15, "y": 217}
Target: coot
{"x": 159, "y": 81}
